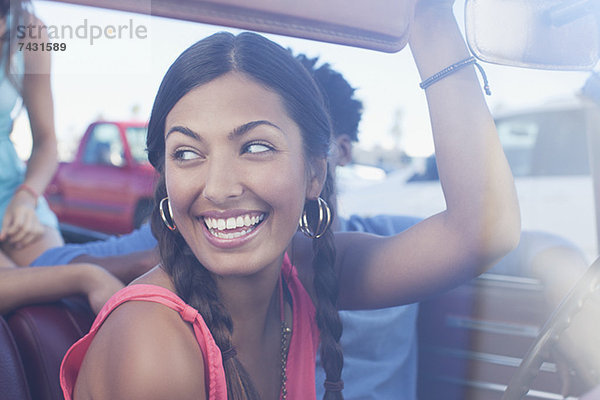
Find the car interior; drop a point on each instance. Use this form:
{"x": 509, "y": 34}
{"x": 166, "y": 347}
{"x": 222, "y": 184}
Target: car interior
{"x": 482, "y": 343}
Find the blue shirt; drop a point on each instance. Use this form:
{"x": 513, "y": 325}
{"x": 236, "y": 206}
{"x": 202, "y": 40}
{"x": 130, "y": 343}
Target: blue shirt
{"x": 139, "y": 240}
{"x": 380, "y": 346}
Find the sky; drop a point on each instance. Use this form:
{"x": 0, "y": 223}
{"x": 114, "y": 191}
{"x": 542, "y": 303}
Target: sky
{"x": 118, "y": 78}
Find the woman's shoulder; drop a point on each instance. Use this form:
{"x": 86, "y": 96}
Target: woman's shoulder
{"x": 36, "y": 29}
{"x": 143, "y": 350}
{"x": 30, "y": 18}
{"x": 36, "y": 62}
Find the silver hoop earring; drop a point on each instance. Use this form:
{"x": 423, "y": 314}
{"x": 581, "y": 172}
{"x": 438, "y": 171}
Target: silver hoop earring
{"x": 169, "y": 223}
{"x": 322, "y": 224}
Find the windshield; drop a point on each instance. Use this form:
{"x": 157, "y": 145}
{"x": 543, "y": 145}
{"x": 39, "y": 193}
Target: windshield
{"x": 545, "y": 143}
{"x": 136, "y": 136}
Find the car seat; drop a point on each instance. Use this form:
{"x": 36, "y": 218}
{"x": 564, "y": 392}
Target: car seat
{"x": 43, "y": 334}
{"x": 13, "y": 383}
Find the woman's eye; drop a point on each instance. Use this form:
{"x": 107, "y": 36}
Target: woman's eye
{"x": 185, "y": 155}
{"x": 257, "y": 148}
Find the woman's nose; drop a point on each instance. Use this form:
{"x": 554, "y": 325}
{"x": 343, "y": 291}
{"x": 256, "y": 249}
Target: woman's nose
{"x": 222, "y": 181}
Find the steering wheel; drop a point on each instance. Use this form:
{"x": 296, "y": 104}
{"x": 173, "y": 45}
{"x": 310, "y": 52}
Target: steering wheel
{"x": 557, "y": 323}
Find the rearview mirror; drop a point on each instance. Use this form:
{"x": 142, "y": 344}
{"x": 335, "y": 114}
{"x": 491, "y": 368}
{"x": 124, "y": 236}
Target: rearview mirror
{"x": 546, "y": 34}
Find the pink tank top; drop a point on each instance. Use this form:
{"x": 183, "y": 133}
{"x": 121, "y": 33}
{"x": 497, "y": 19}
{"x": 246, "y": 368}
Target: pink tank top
{"x": 301, "y": 363}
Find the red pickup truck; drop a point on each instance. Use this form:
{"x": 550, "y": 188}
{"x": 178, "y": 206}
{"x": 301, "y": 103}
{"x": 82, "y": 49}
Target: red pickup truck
{"x": 109, "y": 185}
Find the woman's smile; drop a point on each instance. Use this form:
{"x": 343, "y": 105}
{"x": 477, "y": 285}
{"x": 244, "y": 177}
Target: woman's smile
{"x": 233, "y": 228}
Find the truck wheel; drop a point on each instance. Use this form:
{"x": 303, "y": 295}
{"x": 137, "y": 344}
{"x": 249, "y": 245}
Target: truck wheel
{"x": 142, "y": 213}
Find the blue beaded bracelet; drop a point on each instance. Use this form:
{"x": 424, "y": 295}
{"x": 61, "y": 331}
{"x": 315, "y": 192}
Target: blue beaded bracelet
{"x": 453, "y": 68}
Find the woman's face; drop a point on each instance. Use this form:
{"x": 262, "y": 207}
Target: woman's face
{"x": 236, "y": 174}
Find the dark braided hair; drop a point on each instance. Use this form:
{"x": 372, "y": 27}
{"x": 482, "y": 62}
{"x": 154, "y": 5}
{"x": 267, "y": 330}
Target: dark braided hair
{"x": 326, "y": 287}
{"x": 274, "y": 67}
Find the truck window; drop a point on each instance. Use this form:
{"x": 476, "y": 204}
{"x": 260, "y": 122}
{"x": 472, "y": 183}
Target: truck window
{"x": 104, "y": 146}
{"x": 545, "y": 143}
{"x": 136, "y": 137}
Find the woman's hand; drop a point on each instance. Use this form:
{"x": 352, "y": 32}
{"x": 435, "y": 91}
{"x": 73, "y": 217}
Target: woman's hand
{"x": 427, "y": 11}
{"x": 433, "y": 18}
{"x": 437, "y": 4}
{"x": 99, "y": 286}
{"x": 20, "y": 225}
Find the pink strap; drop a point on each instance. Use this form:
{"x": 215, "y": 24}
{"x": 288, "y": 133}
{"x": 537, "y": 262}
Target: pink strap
{"x": 305, "y": 338}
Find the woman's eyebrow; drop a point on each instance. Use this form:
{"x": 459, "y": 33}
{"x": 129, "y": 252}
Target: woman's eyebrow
{"x": 237, "y": 132}
{"x": 185, "y": 131}
{"x": 242, "y": 129}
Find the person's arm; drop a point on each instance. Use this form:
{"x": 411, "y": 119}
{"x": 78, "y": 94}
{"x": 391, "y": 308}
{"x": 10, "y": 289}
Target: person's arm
{"x": 481, "y": 222}
{"x": 153, "y": 354}
{"x": 126, "y": 257}
{"x": 20, "y": 225}
{"x": 126, "y": 267}
{"x": 24, "y": 286}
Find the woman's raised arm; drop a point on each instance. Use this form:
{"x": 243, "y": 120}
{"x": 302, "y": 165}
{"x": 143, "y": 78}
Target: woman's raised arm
{"x": 481, "y": 222}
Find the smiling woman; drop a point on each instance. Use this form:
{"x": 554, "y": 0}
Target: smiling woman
{"x": 240, "y": 136}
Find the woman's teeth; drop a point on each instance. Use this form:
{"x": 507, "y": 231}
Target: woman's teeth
{"x": 232, "y": 235}
{"x": 216, "y": 226}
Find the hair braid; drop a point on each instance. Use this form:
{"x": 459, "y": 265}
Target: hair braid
{"x": 196, "y": 286}
{"x": 326, "y": 287}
